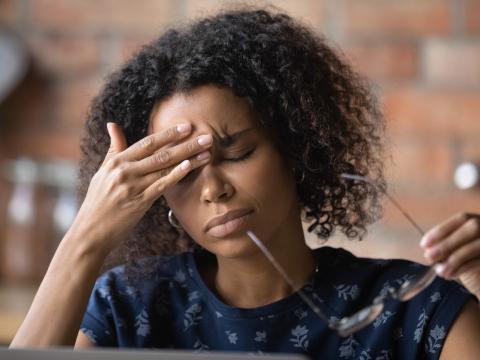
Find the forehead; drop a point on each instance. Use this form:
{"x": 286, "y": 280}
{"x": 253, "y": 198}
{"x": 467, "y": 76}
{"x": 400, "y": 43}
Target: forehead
{"x": 207, "y": 108}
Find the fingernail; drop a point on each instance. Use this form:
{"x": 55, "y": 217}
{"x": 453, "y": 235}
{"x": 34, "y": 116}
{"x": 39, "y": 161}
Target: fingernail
{"x": 204, "y": 139}
{"x": 426, "y": 240}
{"x": 204, "y": 155}
{"x": 431, "y": 253}
{"x": 185, "y": 164}
{"x": 440, "y": 269}
{"x": 183, "y": 128}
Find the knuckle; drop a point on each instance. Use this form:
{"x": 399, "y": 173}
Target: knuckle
{"x": 170, "y": 133}
{"x": 146, "y": 143}
{"x": 112, "y": 163}
{"x": 162, "y": 157}
{"x": 442, "y": 250}
{"x": 125, "y": 191}
{"x": 454, "y": 259}
{"x": 138, "y": 198}
{"x": 463, "y": 216}
{"x": 191, "y": 147}
{"x": 110, "y": 152}
{"x": 164, "y": 172}
{"x": 119, "y": 174}
{"x": 473, "y": 225}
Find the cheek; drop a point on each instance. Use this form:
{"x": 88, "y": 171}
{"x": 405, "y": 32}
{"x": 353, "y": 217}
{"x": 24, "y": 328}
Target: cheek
{"x": 264, "y": 182}
{"x": 178, "y": 201}
{"x": 186, "y": 211}
{"x": 268, "y": 181}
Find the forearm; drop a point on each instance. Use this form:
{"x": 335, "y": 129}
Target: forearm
{"x": 57, "y": 310}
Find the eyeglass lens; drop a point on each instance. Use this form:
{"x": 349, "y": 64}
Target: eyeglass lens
{"x": 350, "y": 324}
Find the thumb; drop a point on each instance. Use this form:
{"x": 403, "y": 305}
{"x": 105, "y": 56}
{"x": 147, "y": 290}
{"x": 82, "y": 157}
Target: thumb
{"x": 118, "y": 143}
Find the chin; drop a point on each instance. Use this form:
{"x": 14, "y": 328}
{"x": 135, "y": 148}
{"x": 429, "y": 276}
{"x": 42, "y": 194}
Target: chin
{"x": 232, "y": 247}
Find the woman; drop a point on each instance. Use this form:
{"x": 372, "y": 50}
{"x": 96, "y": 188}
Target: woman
{"x": 242, "y": 121}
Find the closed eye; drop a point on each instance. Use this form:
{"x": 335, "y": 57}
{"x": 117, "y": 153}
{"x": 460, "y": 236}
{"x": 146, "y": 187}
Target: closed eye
{"x": 234, "y": 159}
{"x": 242, "y": 157}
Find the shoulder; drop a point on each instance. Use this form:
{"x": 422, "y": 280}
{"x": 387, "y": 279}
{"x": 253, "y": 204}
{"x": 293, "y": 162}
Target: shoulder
{"x": 150, "y": 270}
{"x": 415, "y": 328}
{"x": 374, "y": 277}
{"x": 132, "y": 286}
{"x": 462, "y": 337}
{"x": 138, "y": 298}
{"x": 343, "y": 266}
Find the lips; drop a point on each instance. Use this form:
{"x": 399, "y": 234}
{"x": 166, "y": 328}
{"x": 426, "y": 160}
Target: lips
{"x": 225, "y": 218}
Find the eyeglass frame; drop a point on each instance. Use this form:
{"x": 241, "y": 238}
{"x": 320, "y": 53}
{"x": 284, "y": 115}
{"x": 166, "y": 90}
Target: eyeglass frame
{"x": 348, "y": 325}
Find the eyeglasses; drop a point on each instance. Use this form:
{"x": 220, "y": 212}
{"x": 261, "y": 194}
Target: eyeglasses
{"x": 358, "y": 320}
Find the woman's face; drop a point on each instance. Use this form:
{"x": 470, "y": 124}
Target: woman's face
{"x": 246, "y": 173}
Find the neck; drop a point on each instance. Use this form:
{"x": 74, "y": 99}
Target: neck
{"x": 256, "y": 279}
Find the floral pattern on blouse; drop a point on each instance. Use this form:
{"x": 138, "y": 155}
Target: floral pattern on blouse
{"x": 174, "y": 309}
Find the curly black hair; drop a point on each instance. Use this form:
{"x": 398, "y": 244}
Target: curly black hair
{"x": 322, "y": 113}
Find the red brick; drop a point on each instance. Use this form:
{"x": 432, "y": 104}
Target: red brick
{"x": 385, "y": 244}
{"x": 420, "y": 164}
{"x": 381, "y": 241}
{"x": 384, "y": 61}
{"x": 472, "y": 16}
{"x": 129, "y": 46}
{"x": 63, "y": 55}
{"x": 404, "y": 18}
{"x": 468, "y": 150}
{"x": 198, "y": 9}
{"x": 393, "y": 236}
{"x": 431, "y": 208}
{"x": 72, "y": 100}
{"x": 310, "y": 12}
{"x": 432, "y": 113}
{"x": 45, "y": 145}
{"x": 24, "y": 109}
{"x": 101, "y": 15}
{"x": 8, "y": 12}
{"x": 456, "y": 63}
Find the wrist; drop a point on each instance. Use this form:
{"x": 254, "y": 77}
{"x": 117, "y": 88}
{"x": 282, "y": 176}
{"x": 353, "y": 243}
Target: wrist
{"x": 86, "y": 238}
{"x": 82, "y": 245}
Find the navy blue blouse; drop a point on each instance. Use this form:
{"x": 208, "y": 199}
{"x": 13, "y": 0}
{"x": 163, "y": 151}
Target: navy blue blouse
{"x": 173, "y": 308}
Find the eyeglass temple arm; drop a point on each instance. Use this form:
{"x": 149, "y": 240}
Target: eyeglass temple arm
{"x": 316, "y": 309}
{"x": 391, "y": 198}
{"x": 288, "y": 279}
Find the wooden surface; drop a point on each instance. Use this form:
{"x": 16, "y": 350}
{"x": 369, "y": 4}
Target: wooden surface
{"x": 14, "y": 303}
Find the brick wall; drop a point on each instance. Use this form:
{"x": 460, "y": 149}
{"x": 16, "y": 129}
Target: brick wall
{"x": 423, "y": 56}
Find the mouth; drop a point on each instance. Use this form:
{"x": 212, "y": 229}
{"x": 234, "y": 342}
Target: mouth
{"x": 228, "y": 223}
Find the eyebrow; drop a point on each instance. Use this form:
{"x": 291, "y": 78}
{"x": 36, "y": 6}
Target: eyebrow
{"x": 229, "y": 139}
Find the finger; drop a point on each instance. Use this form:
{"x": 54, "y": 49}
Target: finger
{"x": 118, "y": 143}
{"x": 145, "y": 181}
{"x": 469, "y": 266}
{"x": 151, "y": 143}
{"x": 459, "y": 258}
{"x": 441, "y": 231}
{"x": 158, "y": 188}
{"x": 168, "y": 157}
{"x": 468, "y": 231}
{"x": 468, "y": 275}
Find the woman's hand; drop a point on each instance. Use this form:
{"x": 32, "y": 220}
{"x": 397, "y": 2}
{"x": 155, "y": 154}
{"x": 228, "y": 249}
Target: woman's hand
{"x": 131, "y": 179}
{"x": 454, "y": 247}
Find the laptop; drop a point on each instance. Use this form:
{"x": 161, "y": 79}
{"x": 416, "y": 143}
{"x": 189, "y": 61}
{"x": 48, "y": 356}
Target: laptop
{"x": 111, "y": 354}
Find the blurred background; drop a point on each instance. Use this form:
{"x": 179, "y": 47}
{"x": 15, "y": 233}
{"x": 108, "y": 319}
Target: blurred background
{"x": 423, "y": 57}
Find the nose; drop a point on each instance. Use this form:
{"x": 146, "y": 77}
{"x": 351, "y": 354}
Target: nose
{"x": 215, "y": 186}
